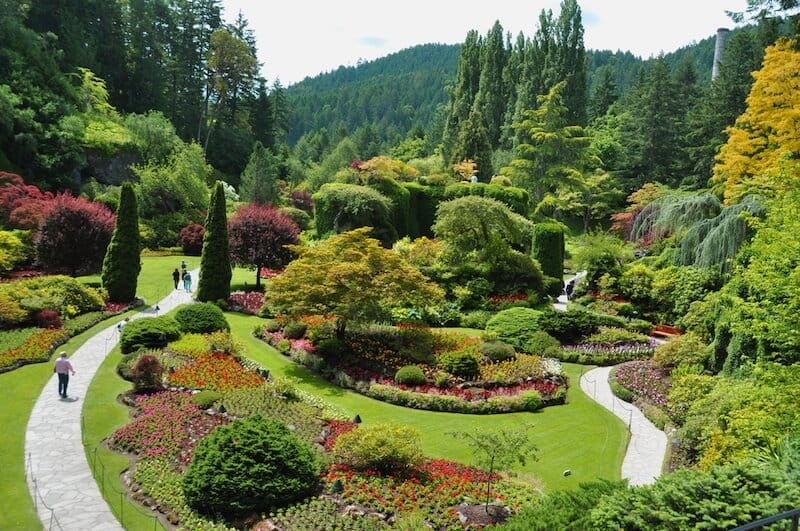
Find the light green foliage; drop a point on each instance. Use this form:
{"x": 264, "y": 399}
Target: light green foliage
{"x": 687, "y": 349}
{"x": 12, "y": 250}
{"x": 674, "y": 213}
{"x": 515, "y": 326}
{"x": 350, "y": 276}
{"x": 249, "y": 465}
{"x": 177, "y": 185}
{"x": 499, "y": 449}
{"x": 636, "y": 283}
{"x": 600, "y": 253}
{"x": 382, "y": 447}
{"x": 479, "y": 225}
{"x": 737, "y": 417}
{"x": 542, "y": 344}
{"x": 21, "y": 299}
{"x": 675, "y": 288}
{"x": 153, "y": 135}
{"x": 409, "y": 375}
{"x": 463, "y": 363}
{"x": 686, "y": 390}
{"x": 721, "y": 498}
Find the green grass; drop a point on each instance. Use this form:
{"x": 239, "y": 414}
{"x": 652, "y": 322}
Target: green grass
{"x": 581, "y": 436}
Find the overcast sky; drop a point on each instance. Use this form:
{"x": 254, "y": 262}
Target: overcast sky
{"x": 299, "y": 38}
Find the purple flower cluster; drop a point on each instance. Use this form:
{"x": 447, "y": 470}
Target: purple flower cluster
{"x": 646, "y": 380}
{"x": 246, "y": 302}
{"x": 296, "y": 344}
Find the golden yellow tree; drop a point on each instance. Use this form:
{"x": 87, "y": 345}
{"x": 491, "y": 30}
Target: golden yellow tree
{"x": 767, "y": 134}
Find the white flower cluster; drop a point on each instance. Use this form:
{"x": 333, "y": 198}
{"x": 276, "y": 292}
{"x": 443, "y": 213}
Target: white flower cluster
{"x": 552, "y": 366}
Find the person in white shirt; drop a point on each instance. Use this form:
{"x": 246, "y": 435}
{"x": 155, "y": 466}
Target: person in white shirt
{"x": 63, "y": 368}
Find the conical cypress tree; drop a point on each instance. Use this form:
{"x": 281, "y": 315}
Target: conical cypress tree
{"x": 122, "y": 262}
{"x": 215, "y": 262}
{"x": 548, "y": 248}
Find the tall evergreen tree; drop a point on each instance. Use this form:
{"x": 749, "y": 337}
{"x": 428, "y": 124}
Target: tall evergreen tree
{"x": 604, "y": 94}
{"x": 492, "y": 92}
{"x": 260, "y": 178}
{"x": 122, "y": 263}
{"x": 473, "y": 144}
{"x": 215, "y": 261}
{"x": 463, "y": 93}
{"x": 570, "y": 61}
{"x": 262, "y": 118}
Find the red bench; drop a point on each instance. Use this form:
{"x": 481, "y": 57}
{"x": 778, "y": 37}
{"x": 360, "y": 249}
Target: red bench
{"x": 665, "y": 331}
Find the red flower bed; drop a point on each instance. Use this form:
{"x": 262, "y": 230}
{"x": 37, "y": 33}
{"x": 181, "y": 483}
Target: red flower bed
{"x": 434, "y": 488}
{"x": 36, "y": 348}
{"x": 337, "y": 427}
{"x": 500, "y": 299}
{"x": 214, "y": 371}
{"x": 246, "y": 302}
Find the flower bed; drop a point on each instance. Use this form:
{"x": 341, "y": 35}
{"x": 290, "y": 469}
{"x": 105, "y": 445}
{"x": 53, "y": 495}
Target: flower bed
{"x": 214, "y": 371}
{"x": 645, "y": 380}
{"x": 588, "y": 354}
{"x": 35, "y": 349}
{"x": 249, "y": 302}
{"x": 168, "y": 425}
{"x": 433, "y": 489}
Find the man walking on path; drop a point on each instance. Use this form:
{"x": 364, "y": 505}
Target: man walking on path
{"x": 176, "y": 276}
{"x": 63, "y": 368}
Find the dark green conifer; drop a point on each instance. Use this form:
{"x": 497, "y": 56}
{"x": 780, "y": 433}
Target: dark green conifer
{"x": 122, "y": 262}
{"x": 548, "y": 248}
{"x": 215, "y": 262}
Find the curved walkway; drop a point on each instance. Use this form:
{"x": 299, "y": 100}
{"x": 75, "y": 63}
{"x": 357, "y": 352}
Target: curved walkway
{"x": 647, "y": 447}
{"x": 59, "y": 477}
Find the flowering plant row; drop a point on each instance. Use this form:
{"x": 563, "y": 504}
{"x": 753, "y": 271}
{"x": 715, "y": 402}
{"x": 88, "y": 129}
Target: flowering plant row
{"x": 246, "y": 302}
{"x": 214, "y": 371}
{"x": 587, "y": 354}
{"x": 36, "y": 348}
{"x": 646, "y": 380}
{"x": 168, "y": 424}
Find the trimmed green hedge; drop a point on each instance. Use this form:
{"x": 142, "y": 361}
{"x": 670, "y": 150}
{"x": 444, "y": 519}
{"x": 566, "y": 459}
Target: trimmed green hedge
{"x": 149, "y": 332}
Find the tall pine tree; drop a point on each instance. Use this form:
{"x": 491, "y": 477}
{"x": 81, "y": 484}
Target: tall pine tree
{"x": 215, "y": 262}
{"x": 122, "y": 263}
{"x": 260, "y": 177}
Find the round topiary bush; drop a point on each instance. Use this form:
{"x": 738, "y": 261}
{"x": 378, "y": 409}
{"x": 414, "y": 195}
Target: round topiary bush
{"x": 206, "y": 398}
{"x": 476, "y": 319}
{"x": 496, "y": 350}
{"x": 410, "y": 375}
{"x": 294, "y": 330}
{"x": 515, "y": 325}
{"x": 148, "y": 332}
{"x": 381, "y": 447}
{"x": 201, "y": 318}
{"x": 249, "y": 465}
{"x": 542, "y": 344}
{"x": 462, "y": 363}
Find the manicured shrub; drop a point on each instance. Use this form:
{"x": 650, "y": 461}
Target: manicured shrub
{"x": 553, "y": 286}
{"x": 149, "y": 332}
{"x": 542, "y": 344}
{"x": 122, "y": 262}
{"x": 410, "y": 375}
{"x": 381, "y": 447}
{"x": 532, "y": 400}
{"x": 416, "y": 343}
{"x": 687, "y": 349}
{"x": 548, "y": 248}
{"x": 250, "y": 465}
{"x": 515, "y": 325}
{"x": 206, "y": 398}
{"x": 272, "y": 325}
{"x": 496, "y": 350}
{"x": 462, "y": 363}
{"x": 48, "y": 319}
{"x": 147, "y": 374}
{"x": 201, "y": 318}
{"x": 215, "y": 262}
{"x": 476, "y": 319}
{"x": 569, "y": 326}
{"x": 191, "y": 239}
{"x": 294, "y": 330}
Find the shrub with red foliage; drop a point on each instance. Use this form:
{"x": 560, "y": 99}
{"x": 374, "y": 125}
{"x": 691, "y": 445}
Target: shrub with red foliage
{"x": 22, "y": 206}
{"x": 258, "y": 236}
{"x": 302, "y": 200}
{"x": 74, "y": 235}
{"x": 48, "y": 319}
{"x": 191, "y": 239}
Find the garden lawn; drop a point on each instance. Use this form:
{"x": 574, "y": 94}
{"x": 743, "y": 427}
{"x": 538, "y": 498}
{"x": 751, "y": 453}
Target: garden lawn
{"x": 580, "y": 436}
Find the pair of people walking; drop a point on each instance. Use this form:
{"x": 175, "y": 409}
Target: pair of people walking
{"x": 182, "y": 276}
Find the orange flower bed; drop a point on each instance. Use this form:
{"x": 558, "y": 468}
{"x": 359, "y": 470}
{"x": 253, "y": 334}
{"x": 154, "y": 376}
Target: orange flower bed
{"x": 214, "y": 371}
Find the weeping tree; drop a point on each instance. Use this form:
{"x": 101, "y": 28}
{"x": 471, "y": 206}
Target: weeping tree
{"x": 673, "y": 213}
{"x": 715, "y": 241}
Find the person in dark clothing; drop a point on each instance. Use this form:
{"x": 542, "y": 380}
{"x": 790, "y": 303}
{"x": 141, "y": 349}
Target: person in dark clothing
{"x": 570, "y": 287}
{"x": 176, "y": 276}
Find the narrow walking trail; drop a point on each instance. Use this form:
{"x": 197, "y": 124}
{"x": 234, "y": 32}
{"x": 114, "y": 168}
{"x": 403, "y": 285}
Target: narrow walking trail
{"x": 59, "y": 477}
{"x": 647, "y": 447}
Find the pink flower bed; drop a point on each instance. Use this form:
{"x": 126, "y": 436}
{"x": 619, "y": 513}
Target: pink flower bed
{"x": 246, "y": 302}
{"x": 646, "y": 380}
